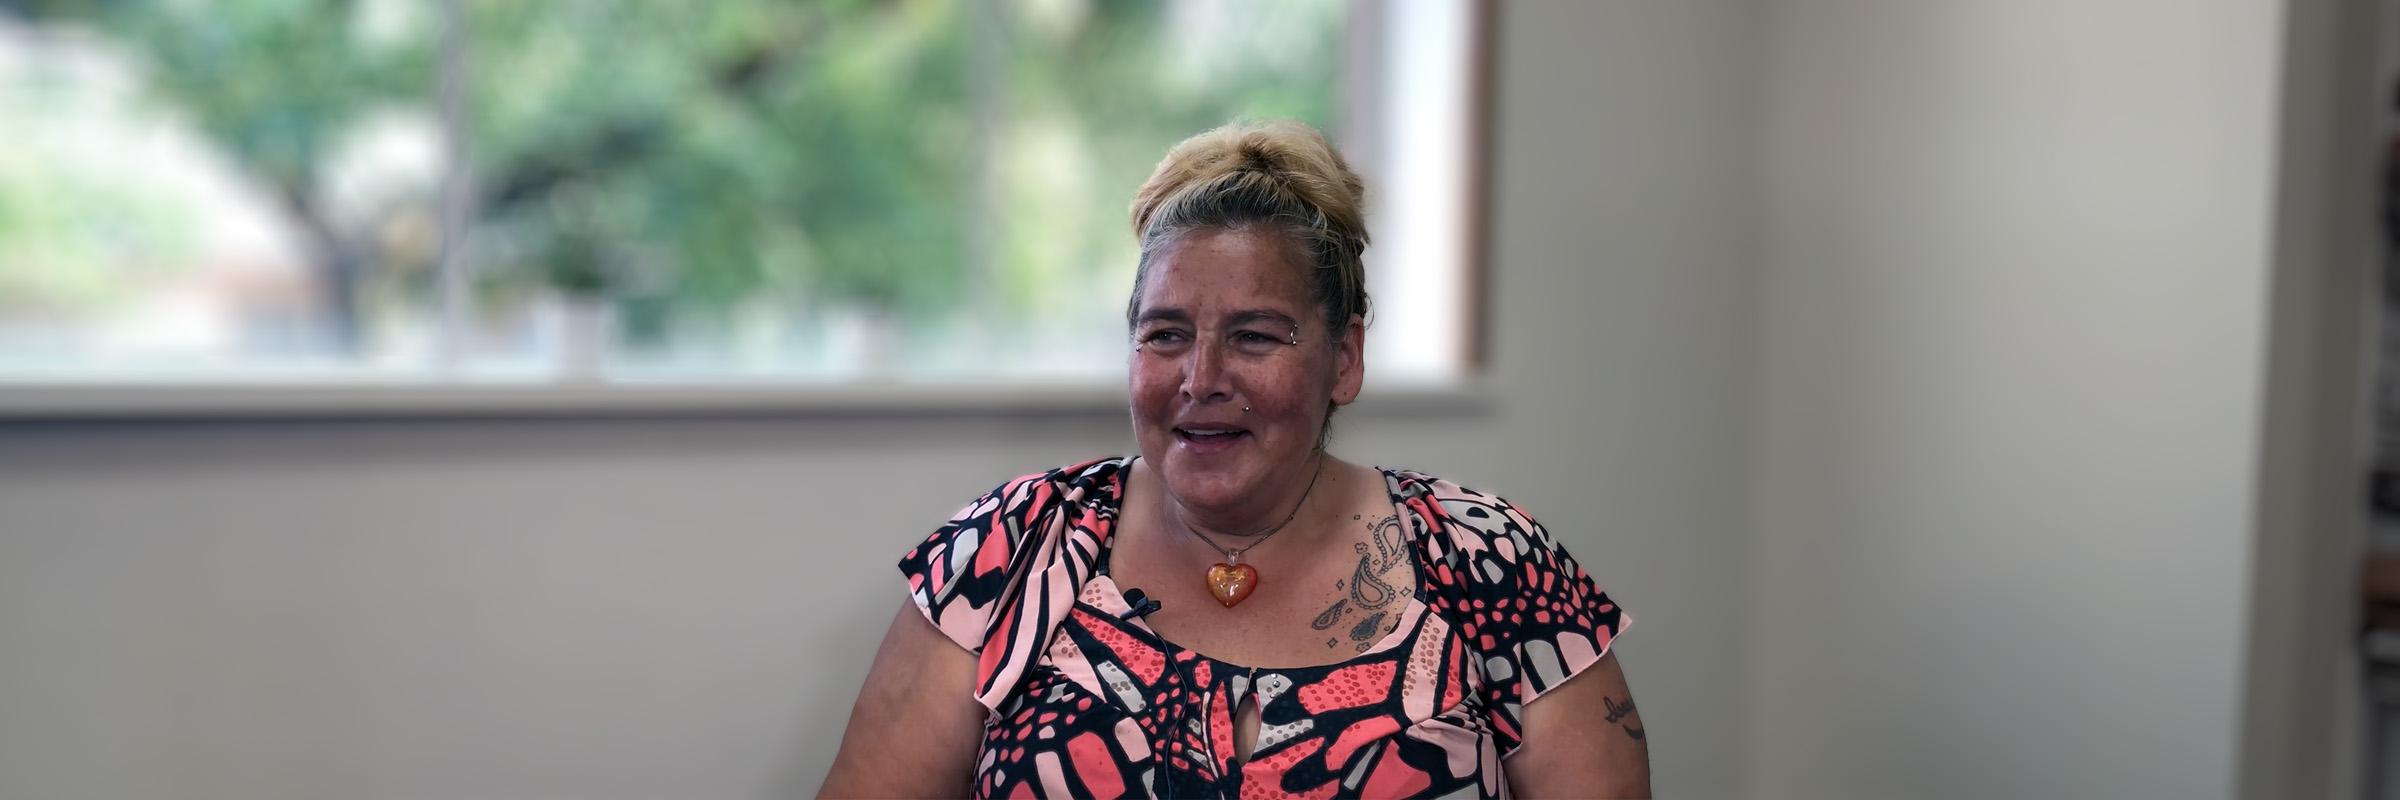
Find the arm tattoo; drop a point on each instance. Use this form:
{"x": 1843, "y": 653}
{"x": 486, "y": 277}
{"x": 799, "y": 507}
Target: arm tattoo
{"x": 1617, "y": 712}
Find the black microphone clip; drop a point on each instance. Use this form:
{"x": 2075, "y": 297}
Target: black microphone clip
{"x": 1140, "y": 605}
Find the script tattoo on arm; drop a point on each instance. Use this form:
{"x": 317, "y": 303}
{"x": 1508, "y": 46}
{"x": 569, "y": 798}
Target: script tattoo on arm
{"x": 1617, "y": 712}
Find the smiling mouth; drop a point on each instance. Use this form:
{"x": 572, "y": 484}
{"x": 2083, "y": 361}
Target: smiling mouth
{"x": 1210, "y": 437}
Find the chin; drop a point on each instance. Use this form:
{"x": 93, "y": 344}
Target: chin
{"x": 1206, "y": 483}
{"x": 1195, "y": 480}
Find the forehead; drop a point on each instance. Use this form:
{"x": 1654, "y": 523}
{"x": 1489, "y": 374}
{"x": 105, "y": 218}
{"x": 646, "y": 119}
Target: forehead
{"x": 1209, "y": 272}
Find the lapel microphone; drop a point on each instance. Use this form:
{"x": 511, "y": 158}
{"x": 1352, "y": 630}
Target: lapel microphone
{"x": 1140, "y": 605}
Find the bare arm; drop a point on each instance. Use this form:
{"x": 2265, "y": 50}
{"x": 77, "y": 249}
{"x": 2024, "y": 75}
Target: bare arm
{"x": 1583, "y": 739}
{"x": 916, "y": 725}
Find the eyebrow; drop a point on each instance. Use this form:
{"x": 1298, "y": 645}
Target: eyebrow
{"x": 1243, "y": 316}
{"x": 1162, "y": 315}
{"x": 1257, "y": 314}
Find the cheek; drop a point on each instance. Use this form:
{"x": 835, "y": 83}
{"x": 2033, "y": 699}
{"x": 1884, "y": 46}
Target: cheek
{"x": 1151, "y": 386}
{"x": 1288, "y": 393}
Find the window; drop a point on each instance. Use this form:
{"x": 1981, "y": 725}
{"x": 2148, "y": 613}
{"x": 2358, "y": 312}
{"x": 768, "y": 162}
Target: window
{"x": 623, "y": 191}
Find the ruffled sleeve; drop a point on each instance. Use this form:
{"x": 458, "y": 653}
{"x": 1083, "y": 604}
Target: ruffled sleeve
{"x": 999, "y": 575}
{"x": 1532, "y": 614}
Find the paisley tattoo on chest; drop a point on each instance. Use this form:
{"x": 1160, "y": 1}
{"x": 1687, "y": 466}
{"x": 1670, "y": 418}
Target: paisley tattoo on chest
{"x": 1367, "y": 590}
{"x": 1369, "y": 593}
{"x": 1366, "y": 630}
{"x": 1332, "y": 615}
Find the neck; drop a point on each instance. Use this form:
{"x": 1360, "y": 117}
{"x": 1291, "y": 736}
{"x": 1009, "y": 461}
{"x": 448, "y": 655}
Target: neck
{"x": 1254, "y": 522}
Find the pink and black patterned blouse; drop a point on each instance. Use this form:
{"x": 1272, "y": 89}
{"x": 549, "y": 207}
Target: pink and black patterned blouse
{"x": 1086, "y": 701}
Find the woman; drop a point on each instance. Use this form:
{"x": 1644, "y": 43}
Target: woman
{"x": 1235, "y": 611}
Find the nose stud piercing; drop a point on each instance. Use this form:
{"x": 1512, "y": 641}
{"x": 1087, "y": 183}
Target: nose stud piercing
{"x": 1245, "y": 409}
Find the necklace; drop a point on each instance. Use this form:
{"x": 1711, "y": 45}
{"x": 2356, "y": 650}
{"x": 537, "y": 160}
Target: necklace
{"x": 1231, "y": 581}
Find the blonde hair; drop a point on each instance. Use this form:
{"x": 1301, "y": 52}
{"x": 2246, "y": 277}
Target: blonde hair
{"x": 1281, "y": 174}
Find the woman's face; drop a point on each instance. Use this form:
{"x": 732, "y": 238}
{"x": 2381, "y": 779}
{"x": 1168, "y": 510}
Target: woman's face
{"x": 1224, "y": 322}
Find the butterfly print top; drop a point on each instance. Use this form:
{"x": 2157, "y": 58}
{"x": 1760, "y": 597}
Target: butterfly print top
{"x": 1086, "y": 701}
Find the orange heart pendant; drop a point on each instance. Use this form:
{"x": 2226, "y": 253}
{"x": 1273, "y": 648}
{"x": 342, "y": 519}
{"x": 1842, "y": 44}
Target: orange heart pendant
{"x": 1230, "y": 583}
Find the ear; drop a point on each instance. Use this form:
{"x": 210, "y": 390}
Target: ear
{"x": 1350, "y": 361}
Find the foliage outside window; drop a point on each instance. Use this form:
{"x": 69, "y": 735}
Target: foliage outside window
{"x": 614, "y": 188}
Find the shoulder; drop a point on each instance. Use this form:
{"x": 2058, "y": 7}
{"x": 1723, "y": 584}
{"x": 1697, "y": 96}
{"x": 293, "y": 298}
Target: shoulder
{"x": 1479, "y": 525}
{"x": 994, "y": 576}
{"x": 994, "y": 534}
{"x": 1076, "y": 480}
{"x": 1486, "y": 552}
{"x": 1089, "y": 483}
{"x": 1527, "y": 608}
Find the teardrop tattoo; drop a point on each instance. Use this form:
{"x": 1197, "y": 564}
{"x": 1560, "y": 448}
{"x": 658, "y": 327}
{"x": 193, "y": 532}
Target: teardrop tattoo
{"x": 1331, "y": 617}
{"x": 1367, "y": 590}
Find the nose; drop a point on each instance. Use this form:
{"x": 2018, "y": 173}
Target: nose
{"x": 1204, "y": 376}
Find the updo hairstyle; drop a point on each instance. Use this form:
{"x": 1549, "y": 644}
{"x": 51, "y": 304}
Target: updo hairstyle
{"x": 1281, "y": 175}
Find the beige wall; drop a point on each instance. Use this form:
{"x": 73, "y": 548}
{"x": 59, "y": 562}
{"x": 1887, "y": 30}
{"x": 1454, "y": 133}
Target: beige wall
{"x": 683, "y": 608}
{"x": 2016, "y": 268}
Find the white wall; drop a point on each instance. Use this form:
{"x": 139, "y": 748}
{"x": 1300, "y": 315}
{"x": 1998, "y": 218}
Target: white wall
{"x": 683, "y": 608}
{"x": 1623, "y": 305}
{"x": 2016, "y": 263}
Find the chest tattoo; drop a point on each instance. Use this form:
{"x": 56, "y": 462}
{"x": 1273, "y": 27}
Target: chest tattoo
{"x": 1370, "y": 591}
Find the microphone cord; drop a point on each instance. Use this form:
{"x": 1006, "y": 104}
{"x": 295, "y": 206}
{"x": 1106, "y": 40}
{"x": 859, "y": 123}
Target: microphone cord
{"x": 1142, "y": 606}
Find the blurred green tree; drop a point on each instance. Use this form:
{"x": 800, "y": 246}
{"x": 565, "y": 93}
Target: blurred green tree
{"x": 683, "y": 159}
{"x": 274, "y": 83}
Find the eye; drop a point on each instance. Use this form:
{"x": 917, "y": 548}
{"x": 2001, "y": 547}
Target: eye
{"x": 1258, "y": 343}
{"x": 1164, "y": 337}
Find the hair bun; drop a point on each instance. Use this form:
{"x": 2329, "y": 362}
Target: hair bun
{"x": 1279, "y": 157}
{"x": 1281, "y": 174}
